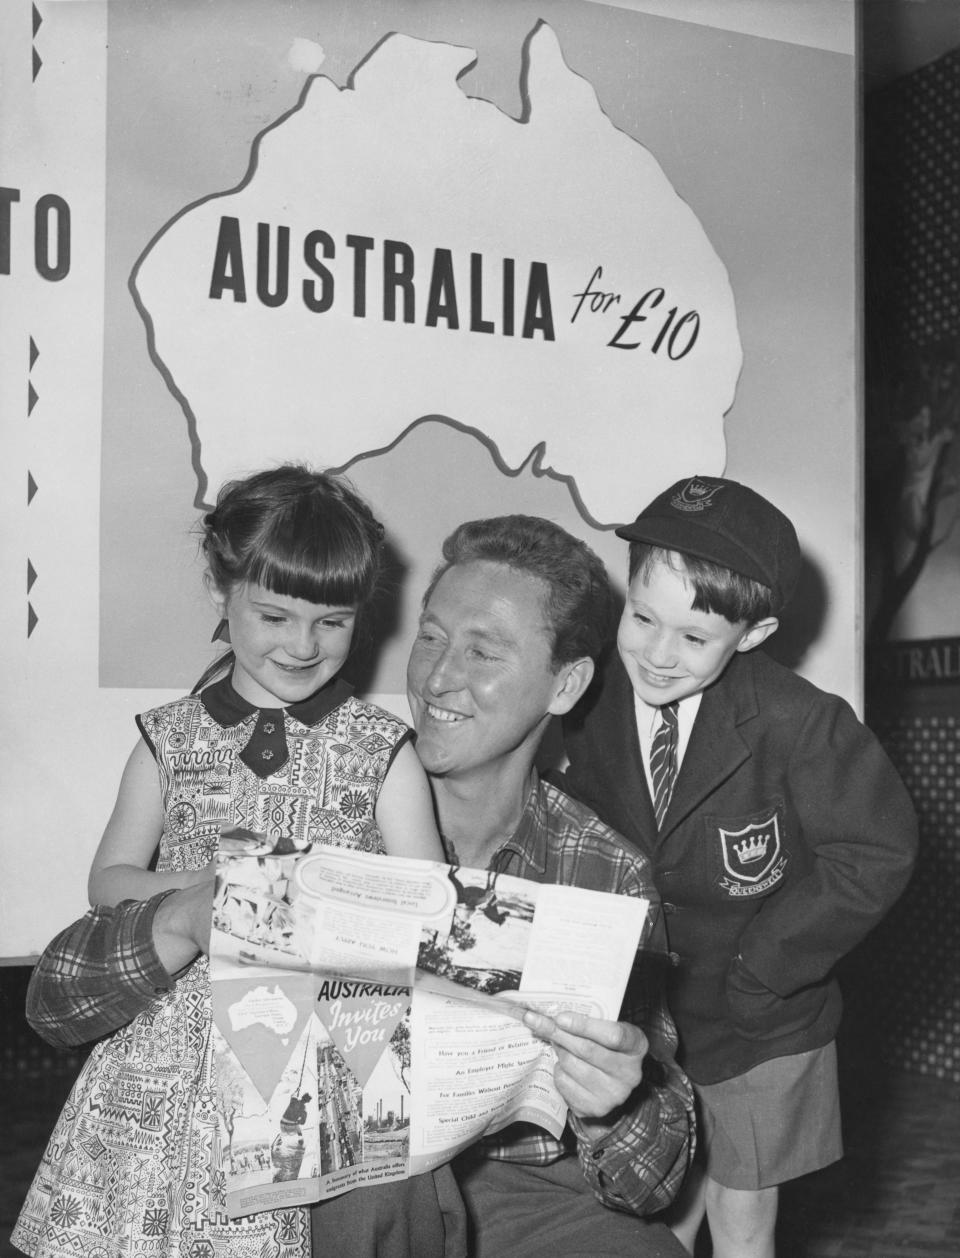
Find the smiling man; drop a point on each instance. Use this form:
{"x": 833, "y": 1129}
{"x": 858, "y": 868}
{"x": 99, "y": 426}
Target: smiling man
{"x": 511, "y": 625}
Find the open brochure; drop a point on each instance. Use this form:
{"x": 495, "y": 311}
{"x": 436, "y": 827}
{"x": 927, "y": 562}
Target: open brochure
{"x": 368, "y": 1011}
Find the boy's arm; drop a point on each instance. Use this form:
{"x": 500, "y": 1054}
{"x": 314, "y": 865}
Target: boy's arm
{"x": 861, "y": 827}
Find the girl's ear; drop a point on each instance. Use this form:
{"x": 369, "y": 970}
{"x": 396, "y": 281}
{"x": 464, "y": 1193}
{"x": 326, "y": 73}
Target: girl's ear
{"x": 758, "y": 633}
{"x": 216, "y": 596}
{"x": 573, "y": 680}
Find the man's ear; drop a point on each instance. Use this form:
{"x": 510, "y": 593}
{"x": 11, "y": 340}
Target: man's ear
{"x": 758, "y": 633}
{"x": 572, "y": 681}
{"x": 216, "y": 596}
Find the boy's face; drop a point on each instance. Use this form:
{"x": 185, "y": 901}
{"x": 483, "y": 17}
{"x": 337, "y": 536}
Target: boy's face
{"x": 669, "y": 650}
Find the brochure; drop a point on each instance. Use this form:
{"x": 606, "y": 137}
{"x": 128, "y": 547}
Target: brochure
{"x": 368, "y": 1010}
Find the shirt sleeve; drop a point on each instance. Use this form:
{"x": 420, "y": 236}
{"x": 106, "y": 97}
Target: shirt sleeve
{"x": 97, "y": 975}
{"x": 638, "y": 1165}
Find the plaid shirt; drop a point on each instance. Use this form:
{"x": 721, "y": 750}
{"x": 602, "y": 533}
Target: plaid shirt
{"x": 97, "y": 975}
{"x": 102, "y": 971}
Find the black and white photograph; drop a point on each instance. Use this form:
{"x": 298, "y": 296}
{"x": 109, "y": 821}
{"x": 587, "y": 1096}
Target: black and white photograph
{"x": 514, "y": 448}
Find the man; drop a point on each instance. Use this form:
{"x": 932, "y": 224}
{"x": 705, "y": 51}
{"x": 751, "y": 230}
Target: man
{"x": 511, "y": 625}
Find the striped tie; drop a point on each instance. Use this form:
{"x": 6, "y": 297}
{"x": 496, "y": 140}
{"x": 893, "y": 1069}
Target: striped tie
{"x": 663, "y": 761}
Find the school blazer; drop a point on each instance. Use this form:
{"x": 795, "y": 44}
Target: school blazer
{"x": 788, "y": 837}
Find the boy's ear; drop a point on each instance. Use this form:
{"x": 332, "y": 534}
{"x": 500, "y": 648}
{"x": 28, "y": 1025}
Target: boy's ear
{"x": 215, "y": 595}
{"x": 573, "y": 679}
{"x": 758, "y": 633}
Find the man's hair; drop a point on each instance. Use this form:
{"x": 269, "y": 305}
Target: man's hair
{"x": 579, "y": 602}
{"x": 715, "y": 588}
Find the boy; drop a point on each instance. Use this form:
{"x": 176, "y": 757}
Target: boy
{"x": 784, "y": 837}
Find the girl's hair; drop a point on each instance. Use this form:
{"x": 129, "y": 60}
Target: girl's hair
{"x": 715, "y": 588}
{"x": 296, "y": 532}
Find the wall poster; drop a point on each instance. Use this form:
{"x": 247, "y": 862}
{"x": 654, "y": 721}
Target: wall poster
{"x": 545, "y": 257}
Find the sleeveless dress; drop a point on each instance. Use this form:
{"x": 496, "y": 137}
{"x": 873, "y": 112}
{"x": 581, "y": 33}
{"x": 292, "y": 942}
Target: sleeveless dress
{"x": 134, "y": 1166}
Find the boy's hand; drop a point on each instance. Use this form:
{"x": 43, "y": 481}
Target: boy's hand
{"x": 599, "y": 1063}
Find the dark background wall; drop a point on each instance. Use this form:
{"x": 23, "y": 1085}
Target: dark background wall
{"x": 903, "y": 986}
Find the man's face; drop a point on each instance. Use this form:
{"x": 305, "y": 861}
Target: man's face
{"x": 480, "y": 679}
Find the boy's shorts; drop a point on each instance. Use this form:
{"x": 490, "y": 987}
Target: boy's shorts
{"x": 779, "y": 1120}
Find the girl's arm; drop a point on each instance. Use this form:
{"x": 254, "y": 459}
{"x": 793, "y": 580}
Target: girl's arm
{"x": 404, "y": 810}
{"x": 120, "y": 867}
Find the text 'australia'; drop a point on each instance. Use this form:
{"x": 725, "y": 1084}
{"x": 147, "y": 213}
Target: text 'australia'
{"x": 384, "y": 279}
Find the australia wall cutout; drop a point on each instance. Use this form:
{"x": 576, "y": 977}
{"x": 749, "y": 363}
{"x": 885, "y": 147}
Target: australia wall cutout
{"x": 399, "y": 249}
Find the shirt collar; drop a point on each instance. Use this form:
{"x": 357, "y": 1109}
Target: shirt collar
{"x": 227, "y": 707}
{"x": 648, "y": 717}
{"x": 525, "y": 840}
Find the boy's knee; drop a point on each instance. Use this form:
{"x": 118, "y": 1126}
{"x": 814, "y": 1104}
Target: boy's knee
{"x": 741, "y": 1221}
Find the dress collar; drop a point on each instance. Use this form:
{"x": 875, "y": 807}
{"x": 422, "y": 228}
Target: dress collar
{"x": 227, "y": 707}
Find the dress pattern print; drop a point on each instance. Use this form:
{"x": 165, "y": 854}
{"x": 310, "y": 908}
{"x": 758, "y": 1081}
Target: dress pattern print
{"x": 134, "y": 1168}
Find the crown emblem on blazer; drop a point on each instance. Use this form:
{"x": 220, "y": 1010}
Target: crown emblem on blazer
{"x": 752, "y": 849}
{"x": 753, "y": 856}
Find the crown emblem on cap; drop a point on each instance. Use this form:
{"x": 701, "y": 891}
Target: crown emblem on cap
{"x": 752, "y": 849}
{"x": 696, "y": 495}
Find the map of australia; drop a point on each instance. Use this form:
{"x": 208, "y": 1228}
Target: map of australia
{"x": 400, "y": 250}
{"x": 267, "y": 1007}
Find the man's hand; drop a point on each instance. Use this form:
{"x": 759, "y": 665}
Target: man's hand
{"x": 599, "y": 1063}
{"x": 181, "y": 926}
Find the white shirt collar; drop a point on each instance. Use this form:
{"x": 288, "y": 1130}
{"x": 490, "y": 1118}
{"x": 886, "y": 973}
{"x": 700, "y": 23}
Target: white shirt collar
{"x": 648, "y": 719}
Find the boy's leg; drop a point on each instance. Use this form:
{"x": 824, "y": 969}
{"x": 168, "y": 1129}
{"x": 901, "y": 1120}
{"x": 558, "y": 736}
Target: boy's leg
{"x": 685, "y": 1215}
{"x": 741, "y": 1221}
{"x": 757, "y": 1130}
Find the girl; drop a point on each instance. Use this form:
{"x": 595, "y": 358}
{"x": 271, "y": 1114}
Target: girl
{"x": 277, "y": 746}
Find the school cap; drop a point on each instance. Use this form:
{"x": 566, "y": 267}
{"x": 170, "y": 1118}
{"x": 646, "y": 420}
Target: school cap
{"x": 728, "y": 524}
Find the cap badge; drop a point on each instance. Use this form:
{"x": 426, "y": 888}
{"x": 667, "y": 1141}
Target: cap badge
{"x": 696, "y": 495}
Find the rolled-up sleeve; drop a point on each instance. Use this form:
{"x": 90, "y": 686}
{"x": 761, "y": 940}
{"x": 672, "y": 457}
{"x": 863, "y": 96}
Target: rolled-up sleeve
{"x": 639, "y": 1163}
{"x": 97, "y": 975}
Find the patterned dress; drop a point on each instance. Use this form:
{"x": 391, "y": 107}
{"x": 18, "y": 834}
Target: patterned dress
{"x": 134, "y": 1166}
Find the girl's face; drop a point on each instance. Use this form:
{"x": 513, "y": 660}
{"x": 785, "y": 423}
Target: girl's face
{"x": 286, "y": 648}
